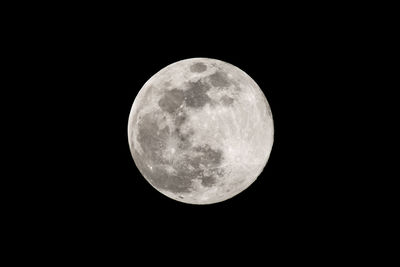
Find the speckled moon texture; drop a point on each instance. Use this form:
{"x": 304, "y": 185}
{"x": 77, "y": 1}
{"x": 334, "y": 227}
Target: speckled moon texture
{"x": 200, "y": 131}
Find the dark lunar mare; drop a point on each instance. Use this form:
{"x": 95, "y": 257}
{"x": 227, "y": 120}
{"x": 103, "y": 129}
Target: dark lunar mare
{"x": 201, "y": 162}
{"x": 171, "y": 100}
{"x": 159, "y": 177}
{"x": 194, "y": 97}
{"x": 198, "y": 67}
{"x": 209, "y": 156}
{"x": 151, "y": 138}
{"x": 153, "y": 142}
{"x": 196, "y": 94}
{"x": 210, "y": 159}
{"x": 219, "y": 79}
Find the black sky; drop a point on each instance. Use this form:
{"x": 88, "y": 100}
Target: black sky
{"x": 97, "y": 65}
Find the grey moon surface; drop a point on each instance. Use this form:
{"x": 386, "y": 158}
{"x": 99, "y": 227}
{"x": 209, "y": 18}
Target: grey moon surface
{"x": 200, "y": 131}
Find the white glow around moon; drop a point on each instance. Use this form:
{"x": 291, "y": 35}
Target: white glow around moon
{"x": 200, "y": 131}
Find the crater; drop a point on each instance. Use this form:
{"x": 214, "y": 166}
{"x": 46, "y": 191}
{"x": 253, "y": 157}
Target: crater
{"x": 198, "y": 67}
{"x": 219, "y": 79}
{"x": 171, "y": 100}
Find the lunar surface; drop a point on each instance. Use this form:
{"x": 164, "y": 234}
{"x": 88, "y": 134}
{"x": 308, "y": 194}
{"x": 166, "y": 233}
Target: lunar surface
{"x": 200, "y": 131}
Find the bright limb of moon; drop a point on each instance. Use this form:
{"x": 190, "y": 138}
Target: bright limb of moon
{"x": 200, "y": 131}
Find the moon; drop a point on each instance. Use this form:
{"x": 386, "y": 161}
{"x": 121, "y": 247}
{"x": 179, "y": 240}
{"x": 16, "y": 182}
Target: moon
{"x": 200, "y": 131}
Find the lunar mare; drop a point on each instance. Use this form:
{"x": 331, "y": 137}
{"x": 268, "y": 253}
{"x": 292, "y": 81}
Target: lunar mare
{"x": 200, "y": 131}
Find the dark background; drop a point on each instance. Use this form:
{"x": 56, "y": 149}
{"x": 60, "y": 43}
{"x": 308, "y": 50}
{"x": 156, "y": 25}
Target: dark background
{"x": 96, "y": 61}
{"x": 296, "y": 71}
{"x": 76, "y": 69}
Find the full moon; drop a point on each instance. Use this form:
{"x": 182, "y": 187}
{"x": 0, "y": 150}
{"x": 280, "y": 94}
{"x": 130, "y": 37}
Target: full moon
{"x": 200, "y": 131}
